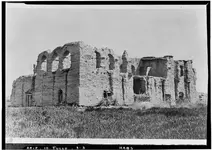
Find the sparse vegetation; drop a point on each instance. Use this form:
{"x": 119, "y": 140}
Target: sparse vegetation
{"x": 67, "y": 122}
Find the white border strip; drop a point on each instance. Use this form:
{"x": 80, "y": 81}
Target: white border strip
{"x": 104, "y": 141}
{"x": 22, "y": 5}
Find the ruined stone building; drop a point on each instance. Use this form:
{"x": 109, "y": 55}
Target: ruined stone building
{"x": 82, "y": 74}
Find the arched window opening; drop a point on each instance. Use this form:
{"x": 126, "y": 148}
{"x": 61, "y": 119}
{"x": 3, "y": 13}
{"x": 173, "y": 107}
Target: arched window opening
{"x": 98, "y": 59}
{"x": 181, "y": 70}
{"x": 67, "y": 60}
{"x": 112, "y": 62}
{"x": 55, "y": 62}
{"x": 44, "y": 63}
{"x": 133, "y": 69}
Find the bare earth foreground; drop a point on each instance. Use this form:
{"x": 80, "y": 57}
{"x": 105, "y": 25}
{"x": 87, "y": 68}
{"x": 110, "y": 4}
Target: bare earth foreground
{"x": 66, "y": 122}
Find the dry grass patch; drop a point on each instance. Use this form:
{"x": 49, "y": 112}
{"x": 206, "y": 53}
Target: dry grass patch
{"x": 67, "y": 122}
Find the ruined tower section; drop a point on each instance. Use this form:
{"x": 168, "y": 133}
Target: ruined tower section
{"x": 57, "y": 76}
{"x": 19, "y": 88}
{"x": 185, "y": 81}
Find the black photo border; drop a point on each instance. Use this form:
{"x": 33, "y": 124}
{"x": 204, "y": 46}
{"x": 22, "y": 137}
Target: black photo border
{"x": 102, "y": 146}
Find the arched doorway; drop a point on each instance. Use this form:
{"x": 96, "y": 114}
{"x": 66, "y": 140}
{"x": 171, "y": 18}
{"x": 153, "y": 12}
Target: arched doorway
{"x": 60, "y": 96}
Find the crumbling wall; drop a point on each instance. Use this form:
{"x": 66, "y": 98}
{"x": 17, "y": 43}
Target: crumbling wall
{"x": 73, "y": 81}
{"x": 95, "y": 74}
{"x": 129, "y": 90}
{"x": 155, "y": 89}
{"x": 124, "y": 65}
{"x": 180, "y": 79}
{"x": 159, "y": 68}
{"x": 191, "y": 82}
{"x": 60, "y": 83}
{"x": 169, "y": 96}
{"x": 42, "y": 94}
{"x": 185, "y": 81}
{"x": 20, "y": 86}
{"x": 149, "y": 89}
{"x": 127, "y": 71}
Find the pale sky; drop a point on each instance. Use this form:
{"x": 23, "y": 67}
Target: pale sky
{"x": 141, "y": 30}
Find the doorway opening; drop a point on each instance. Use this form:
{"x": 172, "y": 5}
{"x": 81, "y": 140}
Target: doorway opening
{"x": 139, "y": 86}
{"x": 28, "y": 100}
{"x": 60, "y": 96}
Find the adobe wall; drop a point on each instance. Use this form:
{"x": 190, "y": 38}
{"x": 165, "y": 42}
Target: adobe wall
{"x": 49, "y": 82}
{"x": 19, "y": 87}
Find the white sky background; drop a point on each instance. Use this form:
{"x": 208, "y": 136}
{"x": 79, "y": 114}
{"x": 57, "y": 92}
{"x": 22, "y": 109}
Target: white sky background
{"x": 141, "y": 30}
